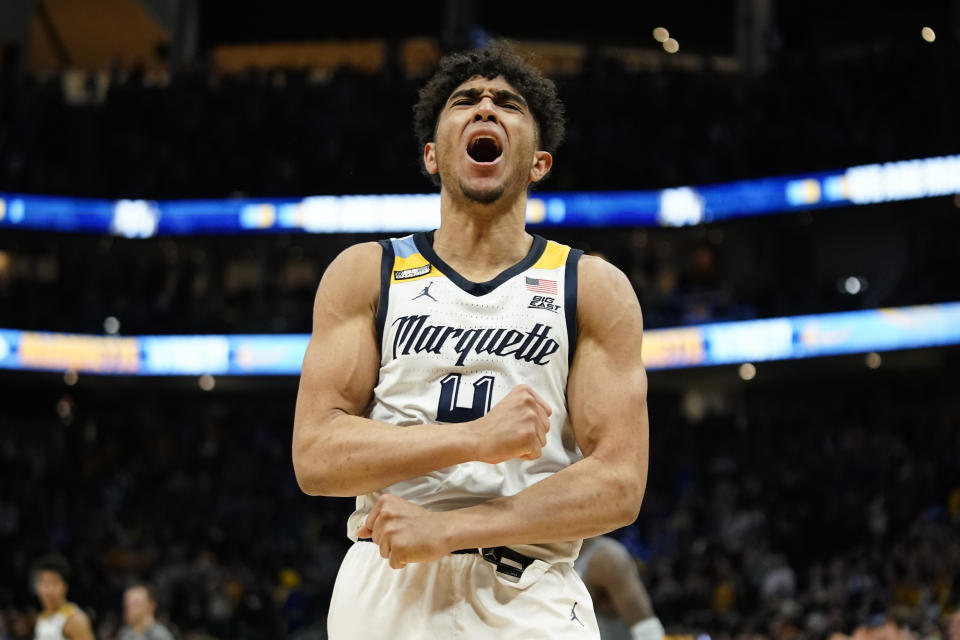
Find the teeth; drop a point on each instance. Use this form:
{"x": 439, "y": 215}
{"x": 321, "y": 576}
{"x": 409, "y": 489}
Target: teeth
{"x": 476, "y": 141}
{"x": 484, "y": 148}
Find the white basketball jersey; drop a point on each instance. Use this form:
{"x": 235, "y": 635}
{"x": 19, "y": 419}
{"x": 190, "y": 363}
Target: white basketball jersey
{"x": 451, "y": 349}
{"x": 51, "y": 627}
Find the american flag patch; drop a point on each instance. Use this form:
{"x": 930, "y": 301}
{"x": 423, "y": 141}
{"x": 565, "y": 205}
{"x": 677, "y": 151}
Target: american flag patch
{"x": 542, "y": 285}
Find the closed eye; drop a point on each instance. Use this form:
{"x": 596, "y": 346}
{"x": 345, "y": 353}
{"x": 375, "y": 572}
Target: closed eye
{"x": 505, "y": 105}
{"x": 502, "y": 98}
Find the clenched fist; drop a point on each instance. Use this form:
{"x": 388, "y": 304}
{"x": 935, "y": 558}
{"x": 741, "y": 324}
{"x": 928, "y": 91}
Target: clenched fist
{"x": 515, "y": 428}
{"x": 405, "y": 532}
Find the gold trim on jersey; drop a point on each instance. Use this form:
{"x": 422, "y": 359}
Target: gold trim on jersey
{"x": 66, "y": 610}
{"x": 554, "y": 256}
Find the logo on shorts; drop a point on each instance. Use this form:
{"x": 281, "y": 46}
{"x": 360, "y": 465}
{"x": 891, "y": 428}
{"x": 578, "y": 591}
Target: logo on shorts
{"x": 573, "y": 615}
{"x": 416, "y": 272}
{"x": 543, "y": 302}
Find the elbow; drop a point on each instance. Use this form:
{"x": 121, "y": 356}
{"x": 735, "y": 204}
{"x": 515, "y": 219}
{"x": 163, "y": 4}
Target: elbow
{"x": 630, "y": 509}
{"x": 313, "y": 465}
{"x": 317, "y": 475}
{"x": 621, "y": 483}
{"x": 310, "y": 470}
{"x": 314, "y": 482}
{"x": 629, "y": 491}
{"x": 309, "y": 481}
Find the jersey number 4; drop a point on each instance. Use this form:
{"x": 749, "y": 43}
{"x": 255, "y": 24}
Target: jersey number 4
{"x": 448, "y": 411}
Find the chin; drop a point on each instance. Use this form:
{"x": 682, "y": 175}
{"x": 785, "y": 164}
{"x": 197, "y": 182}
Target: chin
{"x": 483, "y": 193}
{"x": 483, "y": 196}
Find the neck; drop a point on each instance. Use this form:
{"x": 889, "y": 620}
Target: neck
{"x": 480, "y": 240}
{"x": 54, "y": 608}
{"x": 143, "y": 625}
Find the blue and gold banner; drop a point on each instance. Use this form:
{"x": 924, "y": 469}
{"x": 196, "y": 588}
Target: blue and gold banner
{"x": 866, "y": 184}
{"x": 719, "y": 343}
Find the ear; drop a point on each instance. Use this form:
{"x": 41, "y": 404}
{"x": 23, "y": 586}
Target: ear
{"x": 430, "y": 158}
{"x": 542, "y": 161}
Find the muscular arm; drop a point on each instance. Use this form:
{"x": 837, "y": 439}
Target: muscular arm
{"x": 78, "y": 627}
{"x": 606, "y": 394}
{"x": 338, "y": 453}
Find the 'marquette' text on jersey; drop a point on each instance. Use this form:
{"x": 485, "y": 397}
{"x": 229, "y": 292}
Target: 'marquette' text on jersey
{"x": 414, "y": 335}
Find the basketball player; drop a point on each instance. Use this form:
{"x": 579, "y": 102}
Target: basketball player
{"x": 486, "y": 428}
{"x": 139, "y": 609}
{"x": 621, "y": 601}
{"x": 59, "y": 619}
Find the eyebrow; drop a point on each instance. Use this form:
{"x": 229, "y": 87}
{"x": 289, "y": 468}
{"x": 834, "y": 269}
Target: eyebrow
{"x": 503, "y": 95}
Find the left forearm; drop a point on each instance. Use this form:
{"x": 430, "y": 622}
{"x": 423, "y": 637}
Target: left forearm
{"x": 588, "y": 498}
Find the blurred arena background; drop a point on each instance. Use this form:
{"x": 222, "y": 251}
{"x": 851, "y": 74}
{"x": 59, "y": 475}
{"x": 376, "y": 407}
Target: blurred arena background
{"x": 780, "y": 181}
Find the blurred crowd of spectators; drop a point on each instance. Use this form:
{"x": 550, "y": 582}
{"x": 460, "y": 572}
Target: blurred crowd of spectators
{"x": 296, "y": 132}
{"x": 792, "y": 512}
{"x": 290, "y": 132}
{"x": 197, "y": 496}
{"x": 785, "y": 511}
{"x": 803, "y": 509}
{"x": 286, "y": 132}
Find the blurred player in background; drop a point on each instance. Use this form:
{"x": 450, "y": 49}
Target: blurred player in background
{"x": 59, "y": 619}
{"x": 139, "y": 609}
{"x": 623, "y": 606}
{"x": 490, "y": 426}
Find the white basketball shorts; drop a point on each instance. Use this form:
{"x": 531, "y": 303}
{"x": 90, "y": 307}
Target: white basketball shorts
{"x": 457, "y": 596}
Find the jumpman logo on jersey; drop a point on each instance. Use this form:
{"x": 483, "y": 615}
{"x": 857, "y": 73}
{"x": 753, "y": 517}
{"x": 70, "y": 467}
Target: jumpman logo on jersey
{"x": 573, "y": 615}
{"x": 425, "y": 292}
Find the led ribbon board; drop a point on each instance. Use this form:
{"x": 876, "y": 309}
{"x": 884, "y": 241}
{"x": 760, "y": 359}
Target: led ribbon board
{"x": 867, "y": 184}
{"x": 701, "y": 345}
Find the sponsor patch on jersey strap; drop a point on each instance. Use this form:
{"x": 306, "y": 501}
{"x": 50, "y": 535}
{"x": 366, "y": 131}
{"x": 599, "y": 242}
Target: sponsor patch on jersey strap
{"x": 414, "y": 335}
{"x": 415, "y": 272}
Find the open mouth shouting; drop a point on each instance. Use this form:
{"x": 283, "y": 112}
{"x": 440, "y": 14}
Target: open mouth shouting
{"x": 484, "y": 148}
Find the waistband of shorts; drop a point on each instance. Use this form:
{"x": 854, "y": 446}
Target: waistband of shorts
{"x": 506, "y": 560}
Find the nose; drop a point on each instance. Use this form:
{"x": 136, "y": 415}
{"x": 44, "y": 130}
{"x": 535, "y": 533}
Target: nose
{"x": 485, "y": 111}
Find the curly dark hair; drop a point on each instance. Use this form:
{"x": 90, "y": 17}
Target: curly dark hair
{"x": 52, "y": 562}
{"x": 498, "y": 58}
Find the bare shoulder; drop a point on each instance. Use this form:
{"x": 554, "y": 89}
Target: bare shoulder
{"x": 605, "y": 298}
{"x": 357, "y": 263}
{"x": 78, "y": 626}
{"x": 352, "y": 280}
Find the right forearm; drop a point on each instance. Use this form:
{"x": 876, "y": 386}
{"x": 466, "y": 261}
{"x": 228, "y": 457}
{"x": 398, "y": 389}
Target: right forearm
{"x": 350, "y": 455}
